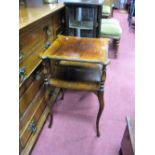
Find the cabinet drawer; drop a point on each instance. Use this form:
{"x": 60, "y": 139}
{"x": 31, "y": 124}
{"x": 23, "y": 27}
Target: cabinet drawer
{"x": 31, "y": 108}
{"x": 24, "y": 87}
{"x": 32, "y": 118}
{"x": 31, "y": 90}
{"x": 34, "y": 40}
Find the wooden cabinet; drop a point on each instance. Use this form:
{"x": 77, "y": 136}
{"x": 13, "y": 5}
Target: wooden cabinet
{"x": 34, "y": 39}
{"x": 32, "y": 105}
{"x": 83, "y": 19}
{"x": 33, "y": 111}
{"x": 59, "y": 23}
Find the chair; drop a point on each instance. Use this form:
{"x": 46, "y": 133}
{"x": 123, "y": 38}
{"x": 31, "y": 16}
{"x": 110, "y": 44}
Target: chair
{"x": 110, "y": 28}
{"x": 107, "y": 9}
{"x": 131, "y": 11}
{"x": 61, "y": 71}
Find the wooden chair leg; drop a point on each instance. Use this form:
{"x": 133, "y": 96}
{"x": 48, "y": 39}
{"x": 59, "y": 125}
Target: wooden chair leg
{"x": 112, "y": 12}
{"x": 100, "y": 95}
{"x": 116, "y": 46}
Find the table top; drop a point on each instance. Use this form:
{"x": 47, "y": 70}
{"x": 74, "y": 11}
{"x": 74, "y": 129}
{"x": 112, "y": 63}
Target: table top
{"x": 32, "y": 13}
{"x": 71, "y": 48}
{"x": 84, "y": 2}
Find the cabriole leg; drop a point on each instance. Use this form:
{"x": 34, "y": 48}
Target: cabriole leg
{"x": 101, "y": 107}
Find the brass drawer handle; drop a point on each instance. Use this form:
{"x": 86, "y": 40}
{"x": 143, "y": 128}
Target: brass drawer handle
{"x": 32, "y": 127}
{"x": 47, "y": 44}
{"x": 22, "y": 74}
{"x": 37, "y": 76}
{"x": 47, "y": 31}
{"x": 21, "y": 56}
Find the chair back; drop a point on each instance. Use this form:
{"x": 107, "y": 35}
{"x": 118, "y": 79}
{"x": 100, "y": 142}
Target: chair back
{"x": 108, "y": 2}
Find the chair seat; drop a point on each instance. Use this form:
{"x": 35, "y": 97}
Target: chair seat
{"x": 106, "y": 10}
{"x": 111, "y": 28}
{"x": 109, "y": 21}
{"x": 74, "y": 85}
{"x": 105, "y": 15}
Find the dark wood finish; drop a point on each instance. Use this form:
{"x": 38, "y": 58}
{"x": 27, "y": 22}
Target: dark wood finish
{"x": 29, "y": 111}
{"x": 84, "y": 2}
{"x": 51, "y": 104}
{"x": 99, "y": 16}
{"x": 101, "y": 107}
{"x": 96, "y": 5}
{"x": 32, "y": 41}
{"x": 59, "y": 23}
{"x": 67, "y": 20}
{"x": 71, "y": 48}
{"x": 128, "y": 141}
{"x": 35, "y": 38}
{"x": 33, "y": 138}
{"x": 30, "y": 92}
{"x": 32, "y": 116}
{"x": 83, "y": 50}
{"x": 95, "y": 22}
{"x": 116, "y": 43}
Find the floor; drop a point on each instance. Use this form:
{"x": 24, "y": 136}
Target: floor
{"x": 73, "y": 130}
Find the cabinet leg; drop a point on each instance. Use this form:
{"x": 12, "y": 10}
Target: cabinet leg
{"x": 50, "y": 114}
{"x": 51, "y": 103}
{"x": 101, "y": 106}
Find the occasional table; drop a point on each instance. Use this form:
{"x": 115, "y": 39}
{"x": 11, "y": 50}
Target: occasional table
{"x": 79, "y": 64}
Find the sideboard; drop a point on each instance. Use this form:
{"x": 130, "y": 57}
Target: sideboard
{"x": 38, "y": 28}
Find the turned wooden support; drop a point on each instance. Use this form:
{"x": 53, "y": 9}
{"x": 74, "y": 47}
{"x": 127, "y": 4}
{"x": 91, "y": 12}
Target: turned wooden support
{"x": 48, "y": 70}
{"x": 46, "y": 74}
{"x": 46, "y": 84}
{"x": 100, "y": 95}
{"x": 116, "y": 46}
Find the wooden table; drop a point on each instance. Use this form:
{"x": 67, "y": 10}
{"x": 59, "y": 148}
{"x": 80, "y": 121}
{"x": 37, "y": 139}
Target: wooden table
{"x": 84, "y": 57}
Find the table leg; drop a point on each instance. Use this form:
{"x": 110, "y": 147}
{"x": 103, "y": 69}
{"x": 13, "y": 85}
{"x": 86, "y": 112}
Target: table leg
{"x": 51, "y": 119}
{"x": 101, "y": 107}
{"x": 50, "y": 115}
{"x": 100, "y": 95}
{"x": 63, "y": 93}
